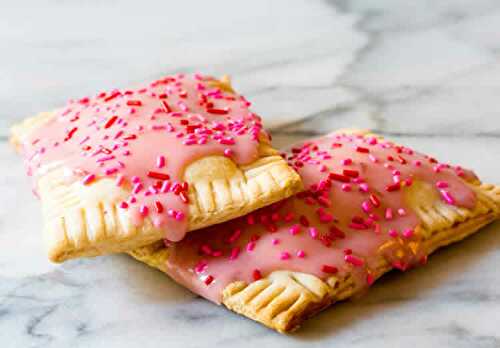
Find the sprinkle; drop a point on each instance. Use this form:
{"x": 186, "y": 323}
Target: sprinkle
{"x": 370, "y": 279}
{"x": 208, "y": 280}
{"x": 88, "y": 179}
{"x": 388, "y": 214}
{"x": 354, "y": 260}
{"x": 228, "y": 152}
{"x": 144, "y": 210}
{"x": 301, "y": 254}
{"x": 393, "y": 187}
{"x": 134, "y": 103}
{"x": 250, "y": 246}
{"x": 447, "y": 197}
{"x": 184, "y": 197}
{"x": 329, "y": 269}
{"x": 159, "y": 176}
{"x": 338, "y": 177}
{"x": 285, "y": 255}
{"x": 112, "y": 96}
{"x": 137, "y": 188}
{"x": 393, "y": 233}
{"x": 160, "y": 161}
{"x": 362, "y": 149}
{"x": 374, "y": 200}
{"x": 70, "y": 134}
{"x": 275, "y": 241}
{"x": 110, "y": 122}
{"x": 363, "y": 187}
{"x": 366, "y": 206}
{"x": 159, "y": 207}
{"x": 346, "y": 161}
{"x": 214, "y": 111}
{"x": 408, "y": 233}
{"x": 294, "y": 229}
{"x": 256, "y": 275}
{"x": 346, "y": 187}
{"x": 351, "y": 173}
{"x": 402, "y": 211}
{"x": 123, "y": 205}
{"x": 234, "y": 253}
{"x": 166, "y": 107}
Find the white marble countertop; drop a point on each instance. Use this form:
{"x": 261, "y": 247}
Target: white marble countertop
{"x": 424, "y": 72}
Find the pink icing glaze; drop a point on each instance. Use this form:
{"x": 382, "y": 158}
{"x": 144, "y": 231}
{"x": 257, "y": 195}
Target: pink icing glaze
{"x": 326, "y": 229}
{"x": 144, "y": 138}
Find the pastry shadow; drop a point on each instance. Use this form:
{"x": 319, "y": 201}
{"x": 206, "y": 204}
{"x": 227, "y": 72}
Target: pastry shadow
{"x": 152, "y": 284}
{"x": 396, "y": 288}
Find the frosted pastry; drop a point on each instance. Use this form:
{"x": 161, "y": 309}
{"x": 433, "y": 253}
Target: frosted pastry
{"x": 369, "y": 206}
{"x": 125, "y": 168}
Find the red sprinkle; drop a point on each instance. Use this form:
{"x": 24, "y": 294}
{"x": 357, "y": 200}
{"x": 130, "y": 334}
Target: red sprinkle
{"x": 393, "y": 187}
{"x": 256, "y": 275}
{"x": 134, "y": 103}
{"x": 208, "y": 280}
{"x": 166, "y": 107}
{"x": 218, "y": 111}
{"x": 329, "y": 269}
{"x": 338, "y": 177}
{"x": 159, "y": 176}
{"x": 159, "y": 207}
{"x": 362, "y": 149}
{"x": 351, "y": 173}
{"x": 110, "y": 122}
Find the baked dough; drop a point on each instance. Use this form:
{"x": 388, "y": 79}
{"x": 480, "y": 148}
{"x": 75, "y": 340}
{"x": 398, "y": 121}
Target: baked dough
{"x": 283, "y": 299}
{"x": 85, "y": 220}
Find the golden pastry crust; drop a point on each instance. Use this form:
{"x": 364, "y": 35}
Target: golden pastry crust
{"x": 283, "y": 299}
{"x": 86, "y": 221}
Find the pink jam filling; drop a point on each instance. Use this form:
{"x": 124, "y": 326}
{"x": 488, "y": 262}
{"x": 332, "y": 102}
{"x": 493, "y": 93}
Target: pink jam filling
{"x": 144, "y": 138}
{"x": 353, "y": 206}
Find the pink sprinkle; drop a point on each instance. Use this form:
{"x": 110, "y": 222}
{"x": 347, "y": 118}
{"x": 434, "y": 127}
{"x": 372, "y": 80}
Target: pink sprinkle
{"x": 393, "y": 233}
{"x": 179, "y": 216}
{"x": 228, "y": 152}
{"x": 366, "y": 206}
{"x": 294, "y": 229}
{"x": 301, "y": 253}
{"x": 448, "y": 198}
{"x": 388, "y": 214}
{"x": 250, "y": 246}
{"x": 441, "y": 184}
{"x": 323, "y": 168}
{"x": 123, "y": 205}
{"x": 135, "y": 179}
{"x": 363, "y": 187}
{"x": 313, "y": 232}
{"x": 137, "y": 188}
{"x": 354, "y": 260}
{"x": 408, "y": 233}
{"x": 234, "y": 253}
{"x": 373, "y": 158}
{"x": 160, "y": 161}
{"x": 326, "y": 218}
{"x": 347, "y": 161}
{"x": 346, "y": 187}
{"x": 285, "y": 255}
{"x": 88, "y": 179}
{"x": 275, "y": 241}
{"x": 401, "y": 212}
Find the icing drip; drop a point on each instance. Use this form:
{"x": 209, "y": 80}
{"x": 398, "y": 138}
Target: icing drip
{"x": 353, "y": 212}
{"x": 144, "y": 138}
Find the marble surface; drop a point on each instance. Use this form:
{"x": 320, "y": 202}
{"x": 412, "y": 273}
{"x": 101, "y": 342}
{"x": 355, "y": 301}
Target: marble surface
{"x": 426, "y": 73}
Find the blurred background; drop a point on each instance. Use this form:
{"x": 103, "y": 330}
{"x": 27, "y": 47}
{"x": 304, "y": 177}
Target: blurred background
{"x": 423, "y": 72}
